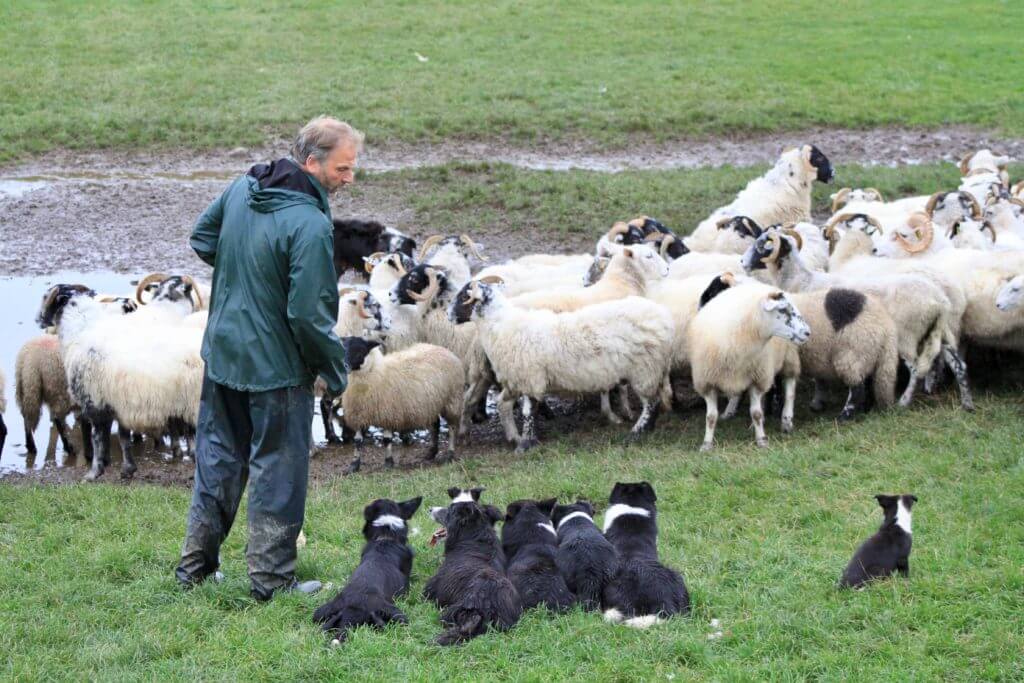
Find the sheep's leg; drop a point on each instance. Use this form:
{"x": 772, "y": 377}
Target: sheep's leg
{"x": 710, "y": 420}
{"x": 731, "y": 408}
{"x": 435, "y": 440}
{"x": 757, "y": 417}
{"x": 606, "y": 409}
{"x": 648, "y": 415}
{"x": 818, "y": 400}
{"x": 357, "y": 461}
{"x": 128, "y": 468}
{"x": 854, "y": 400}
{"x": 471, "y": 401}
{"x": 62, "y": 432}
{"x": 934, "y": 375}
{"x": 100, "y": 448}
{"x": 137, "y": 437}
{"x": 3, "y": 433}
{"x": 908, "y": 393}
{"x": 30, "y": 439}
{"x": 529, "y": 438}
{"x": 389, "y": 441}
{"x": 788, "y": 403}
{"x": 326, "y": 414}
{"x": 624, "y": 407}
{"x": 506, "y": 415}
{"x": 959, "y": 367}
{"x": 85, "y": 427}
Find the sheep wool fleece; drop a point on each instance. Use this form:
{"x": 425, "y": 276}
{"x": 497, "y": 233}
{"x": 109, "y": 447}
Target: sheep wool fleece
{"x": 262, "y": 438}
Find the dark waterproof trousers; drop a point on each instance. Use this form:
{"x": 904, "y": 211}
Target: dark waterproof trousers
{"x": 263, "y": 438}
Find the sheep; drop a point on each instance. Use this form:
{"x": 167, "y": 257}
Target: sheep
{"x": 810, "y": 242}
{"x": 981, "y": 169}
{"x": 947, "y": 208}
{"x": 354, "y": 240}
{"x": 888, "y": 215}
{"x": 846, "y": 195}
{"x": 1006, "y": 215}
{"x": 145, "y": 375}
{"x": 3, "y": 409}
{"x": 739, "y": 341}
{"x": 668, "y": 243}
{"x": 972, "y": 234}
{"x": 428, "y": 289}
{"x": 1017, "y": 190}
{"x": 913, "y": 237}
{"x": 404, "y": 390}
{"x": 539, "y": 272}
{"x": 171, "y": 288}
{"x": 922, "y": 311}
{"x": 452, "y": 254}
{"x": 590, "y": 350}
{"x": 781, "y": 195}
{"x": 621, "y": 234}
{"x": 385, "y": 269}
{"x": 40, "y": 379}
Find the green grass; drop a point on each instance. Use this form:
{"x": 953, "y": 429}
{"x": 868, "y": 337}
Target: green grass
{"x": 95, "y": 74}
{"x": 760, "y": 535}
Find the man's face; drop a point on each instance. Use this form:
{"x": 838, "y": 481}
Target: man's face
{"x": 337, "y": 169}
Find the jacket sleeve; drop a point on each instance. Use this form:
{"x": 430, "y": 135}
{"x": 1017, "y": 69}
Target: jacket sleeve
{"x": 313, "y": 303}
{"x": 206, "y": 233}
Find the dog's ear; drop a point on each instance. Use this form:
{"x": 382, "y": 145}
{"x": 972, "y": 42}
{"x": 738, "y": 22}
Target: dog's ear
{"x": 885, "y": 501}
{"x": 493, "y": 513}
{"x": 408, "y": 508}
{"x": 370, "y": 511}
{"x": 454, "y": 491}
{"x": 909, "y": 499}
{"x": 511, "y": 511}
{"x": 587, "y": 507}
{"x": 547, "y": 506}
{"x": 476, "y": 491}
{"x": 617, "y": 489}
{"x": 648, "y": 491}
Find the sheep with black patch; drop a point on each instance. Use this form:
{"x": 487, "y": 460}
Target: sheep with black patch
{"x": 621, "y": 234}
{"x": 781, "y": 195}
{"x": 385, "y": 269}
{"x": 401, "y": 391}
{"x": 592, "y": 350}
{"x": 452, "y": 254}
{"x": 354, "y": 240}
{"x": 40, "y": 379}
{"x": 739, "y": 342}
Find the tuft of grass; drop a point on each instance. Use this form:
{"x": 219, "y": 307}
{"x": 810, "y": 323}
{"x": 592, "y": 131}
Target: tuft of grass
{"x": 188, "y": 74}
{"x": 87, "y": 591}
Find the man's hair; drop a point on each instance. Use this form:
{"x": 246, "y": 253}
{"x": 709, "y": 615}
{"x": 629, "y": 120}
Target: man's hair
{"x": 321, "y": 135}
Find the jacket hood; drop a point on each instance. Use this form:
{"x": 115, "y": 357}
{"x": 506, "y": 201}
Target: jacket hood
{"x": 281, "y": 184}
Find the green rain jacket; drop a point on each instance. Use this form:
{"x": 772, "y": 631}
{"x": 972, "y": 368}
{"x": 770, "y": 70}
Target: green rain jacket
{"x": 274, "y": 302}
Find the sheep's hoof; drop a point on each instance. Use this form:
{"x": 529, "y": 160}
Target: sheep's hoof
{"x": 525, "y": 445}
{"x": 635, "y": 436}
{"x": 613, "y": 419}
{"x": 787, "y": 426}
{"x": 389, "y": 462}
{"x": 727, "y": 415}
{"x": 353, "y": 467}
{"x": 92, "y": 475}
{"x": 846, "y": 416}
{"x": 967, "y": 405}
{"x": 442, "y": 458}
{"x": 762, "y": 443}
{"x": 333, "y": 439}
{"x": 706, "y": 446}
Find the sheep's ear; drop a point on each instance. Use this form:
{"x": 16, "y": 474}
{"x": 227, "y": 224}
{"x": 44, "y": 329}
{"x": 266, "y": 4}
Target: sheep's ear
{"x": 773, "y": 301}
{"x": 628, "y": 252}
{"x": 408, "y": 508}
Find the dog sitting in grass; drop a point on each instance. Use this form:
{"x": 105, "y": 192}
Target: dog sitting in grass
{"x": 586, "y": 559}
{"x": 383, "y": 572}
{"x": 530, "y": 543}
{"x": 886, "y": 552}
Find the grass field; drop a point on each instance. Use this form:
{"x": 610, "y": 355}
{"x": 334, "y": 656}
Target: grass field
{"x": 97, "y": 74}
{"x": 761, "y": 536}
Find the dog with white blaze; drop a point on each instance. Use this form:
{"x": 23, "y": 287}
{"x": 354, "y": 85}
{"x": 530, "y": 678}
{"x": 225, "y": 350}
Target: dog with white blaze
{"x": 888, "y": 551}
{"x": 644, "y": 591}
{"x": 530, "y": 543}
{"x": 368, "y": 599}
{"x": 586, "y": 559}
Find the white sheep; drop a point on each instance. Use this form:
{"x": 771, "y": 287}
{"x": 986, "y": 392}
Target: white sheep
{"x": 451, "y": 253}
{"x": 40, "y": 379}
{"x": 846, "y": 195}
{"x": 739, "y": 342}
{"x": 386, "y": 268}
{"x": 589, "y": 351}
{"x": 781, "y": 195}
{"x": 144, "y": 374}
{"x": 984, "y": 175}
{"x": 539, "y": 272}
{"x": 401, "y": 391}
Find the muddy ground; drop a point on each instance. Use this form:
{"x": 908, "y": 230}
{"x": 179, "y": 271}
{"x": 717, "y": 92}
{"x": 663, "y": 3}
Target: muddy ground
{"x": 132, "y": 212}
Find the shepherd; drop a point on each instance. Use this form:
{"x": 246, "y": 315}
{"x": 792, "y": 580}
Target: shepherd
{"x": 273, "y": 308}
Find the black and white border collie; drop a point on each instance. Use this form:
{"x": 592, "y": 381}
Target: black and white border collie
{"x": 531, "y": 544}
{"x": 644, "y": 591}
{"x": 886, "y": 552}
{"x": 471, "y": 586}
{"x": 383, "y": 572}
{"x": 354, "y": 240}
{"x": 586, "y": 559}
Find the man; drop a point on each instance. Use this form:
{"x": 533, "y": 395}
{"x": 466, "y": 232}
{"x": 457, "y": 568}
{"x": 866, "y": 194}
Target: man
{"x": 273, "y": 308}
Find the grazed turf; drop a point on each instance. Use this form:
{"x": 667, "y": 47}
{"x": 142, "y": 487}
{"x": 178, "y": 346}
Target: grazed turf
{"x": 182, "y": 73}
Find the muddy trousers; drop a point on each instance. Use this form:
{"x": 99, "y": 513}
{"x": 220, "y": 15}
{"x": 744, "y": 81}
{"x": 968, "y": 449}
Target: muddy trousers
{"x": 262, "y": 438}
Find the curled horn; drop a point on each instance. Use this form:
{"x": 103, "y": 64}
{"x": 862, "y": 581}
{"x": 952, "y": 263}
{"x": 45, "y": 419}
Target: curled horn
{"x": 197, "y": 298}
{"x": 787, "y": 229}
{"x": 619, "y": 228}
{"x": 146, "y": 282}
{"x": 923, "y": 228}
{"x": 360, "y": 301}
{"x": 964, "y": 163}
{"x": 665, "y": 244}
{"x": 831, "y": 235}
{"x": 1016, "y": 200}
{"x": 492, "y": 280}
{"x": 929, "y": 208}
{"x": 1018, "y": 189}
{"x": 399, "y": 265}
{"x": 976, "y": 211}
{"x": 722, "y": 222}
{"x": 776, "y": 248}
{"x": 638, "y": 222}
{"x": 840, "y": 199}
{"x": 367, "y": 266}
{"x": 991, "y": 231}
{"x": 344, "y": 291}
{"x": 473, "y": 248}
{"x": 428, "y": 244}
{"x": 430, "y": 291}
{"x": 875, "y": 191}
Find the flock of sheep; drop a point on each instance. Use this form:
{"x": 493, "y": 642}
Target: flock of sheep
{"x": 756, "y": 297}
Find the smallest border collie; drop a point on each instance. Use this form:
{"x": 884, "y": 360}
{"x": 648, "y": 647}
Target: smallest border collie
{"x": 530, "y": 543}
{"x": 471, "y": 586}
{"x": 644, "y": 591}
{"x": 888, "y": 550}
{"x": 383, "y": 572}
{"x": 586, "y": 559}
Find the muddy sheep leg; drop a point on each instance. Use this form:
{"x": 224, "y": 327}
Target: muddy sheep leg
{"x": 528, "y": 439}
{"x": 357, "y": 461}
{"x": 506, "y": 415}
{"x": 624, "y": 406}
{"x": 30, "y": 439}
{"x": 648, "y": 416}
{"x": 62, "y": 432}
{"x": 959, "y": 367}
{"x": 788, "y": 403}
{"x": 85, "y": 427}
{"x": 606, "y": 409}
{"x": 389, "y": 442}
{"x": 818, "y": 400}
{"x": 731, "y": 408}
{"x": 128, "y": 468}
{"x": 100, "y": 448}
{"x": 908, "y": 393}
{"x": 326, "y": 413}
{"x": 3, "y": 432}
{"x": 854, "y": 400}
{"x": 757, "y": 416}
{"x": 710, "y": 420}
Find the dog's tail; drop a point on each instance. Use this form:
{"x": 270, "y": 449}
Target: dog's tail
{"x": 614, "y": 616}
{"x": 337, "y": 617}
{"x": 466, "y": 625}
{"x": 588, "y": 593}
{"x": 491, "y": 601}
